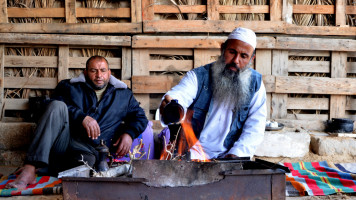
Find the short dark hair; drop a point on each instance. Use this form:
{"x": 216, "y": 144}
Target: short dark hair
{"x": 93, "y": 58}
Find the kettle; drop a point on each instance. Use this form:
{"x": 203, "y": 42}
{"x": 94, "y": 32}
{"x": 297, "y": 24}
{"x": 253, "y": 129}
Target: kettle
{"x": 340, "y": 125}
{"x": 172, "y": 113}
{"x": 103, "y": 150}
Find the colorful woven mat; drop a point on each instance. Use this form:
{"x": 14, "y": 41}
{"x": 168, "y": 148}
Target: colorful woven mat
{"x": 319, "y": 178}
{"x": 43, "y": 185}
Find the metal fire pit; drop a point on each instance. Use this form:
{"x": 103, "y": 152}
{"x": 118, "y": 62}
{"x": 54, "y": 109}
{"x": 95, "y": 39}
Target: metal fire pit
{"x": 156, "y": 179}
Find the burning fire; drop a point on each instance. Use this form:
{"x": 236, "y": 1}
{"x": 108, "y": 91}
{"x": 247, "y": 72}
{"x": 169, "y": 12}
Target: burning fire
{"x": 185, "y": 143}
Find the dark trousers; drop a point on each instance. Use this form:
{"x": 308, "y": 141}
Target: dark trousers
{"x": 52, "y": 146}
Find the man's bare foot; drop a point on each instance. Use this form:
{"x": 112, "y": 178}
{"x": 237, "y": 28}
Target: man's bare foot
{"x": 27, "y": 176}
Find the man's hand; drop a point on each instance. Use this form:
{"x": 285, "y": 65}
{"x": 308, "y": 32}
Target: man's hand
{"x": 165, "y": 101}
{"x": 123, "y": 144}
{"x": 92, "y": 127}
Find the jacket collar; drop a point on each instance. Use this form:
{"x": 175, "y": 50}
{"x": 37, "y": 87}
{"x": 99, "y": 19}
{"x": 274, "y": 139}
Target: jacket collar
{"x": 113, "y": 81}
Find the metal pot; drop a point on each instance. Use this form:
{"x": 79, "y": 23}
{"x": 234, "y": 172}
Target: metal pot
{"x": 340, "y": 125}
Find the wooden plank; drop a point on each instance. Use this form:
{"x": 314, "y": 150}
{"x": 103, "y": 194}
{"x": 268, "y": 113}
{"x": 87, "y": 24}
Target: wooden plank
{"x": 60, "y": 39}
{"x": 35, "y": 12}
{"x": 315, "y": 85}
{"x": 279, "y": 68}
{"x": 3, "y": 12}
{"x": 320, "y": 30}
{"x": 147, "y": 10}
{"x": 309, "y": 66}
{"x": 308, "y": 103}
{"x": 308, "y": 117}
{"x": 340, "y": 17}
{"x": 2, "y": 82}
{"x": 243, "y": 9}
{"x": 154, "y": 84}
{"x": 172, "y": 52}
{"x": 314, "y": 9}
{"x": 212, "y": 9}
{"x": 287, "y": 11}
{"x": 203, "y": 42}
{"x": 168, "y": 9}
{"x": 31, "y": 61}
{"x": 351, "y": 67}
{"x": 351, "y": 54}
{"x": 63, "y": 62}
{"x": 136, "y": 11}
{"x": 204, "y": 56}
{"x": 276, "y": 10}
{"x": 350, "y": 10}
{"x": 311, "y": 125}
{"x": 337, "y": 106}
{"x": 104, "y": 12}
{"x": 264, "y": 66}
{"x": 30, "y": 82}
{"x": 269, "y": 82}
{"x": 211, "y": 26}
{"x": 309, "y": 53}
{"x": 325, "y": 44}
{"x": 170, "y": 65}
{"x": 126, "y": 71}
{"x": 70, "y": 11}
{"x": 350, "y": 104}
{"x": 16, "y": 104}
{"x": 79, "y": 62}
{"x": 71, "y": 28}
{"x": 338, "y": 64}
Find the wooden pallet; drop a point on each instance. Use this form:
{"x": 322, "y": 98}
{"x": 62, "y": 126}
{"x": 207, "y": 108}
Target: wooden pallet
{"x": 70, "y": 13}
{"x": 272, "y": 61}
{"x": 280, "y": 14}
{"x": 64, "y": 62}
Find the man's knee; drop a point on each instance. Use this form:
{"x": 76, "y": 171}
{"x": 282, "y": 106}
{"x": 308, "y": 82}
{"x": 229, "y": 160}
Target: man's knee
{"x": 57, "y": 107}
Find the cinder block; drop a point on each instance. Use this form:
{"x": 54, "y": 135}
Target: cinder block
{"x": 284, "y": 144}
{"x": 327, "y": 146}
{"x": 16, "y": 135}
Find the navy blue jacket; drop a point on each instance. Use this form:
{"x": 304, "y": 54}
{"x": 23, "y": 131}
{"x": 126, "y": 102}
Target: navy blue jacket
{"x": 117, "y": 112}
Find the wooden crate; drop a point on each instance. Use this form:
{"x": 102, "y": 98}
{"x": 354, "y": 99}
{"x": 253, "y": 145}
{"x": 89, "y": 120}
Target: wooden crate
{"x": 68, "y": 17}
{"x": 278, "y": 17}
{"x": 294, "y": 92}
{"x": 31, "y": 72}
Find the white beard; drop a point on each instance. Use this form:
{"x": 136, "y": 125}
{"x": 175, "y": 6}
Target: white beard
{"x": 230, "y": 87}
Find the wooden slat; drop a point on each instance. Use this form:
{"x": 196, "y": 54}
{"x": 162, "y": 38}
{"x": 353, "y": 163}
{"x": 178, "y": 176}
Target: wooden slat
{"x": 279, "y": 68}
{"x": 310, "y": 124}
{"x": 126, "y": 71}
{"x": 351, "y": 67}
{"x": 313, "y": 9}
{"x": 71, "y": 28}
{"x": 350, "y": 10}
{"x": 79, "y": 62}
{"x": 212, "y": 26}
{"x": 31, "y": 61}
{"x": 153, "y": 84}
{"x": 325, "y": 44}
{"x": 104, "y": 12}
{"x": 172, "y": 52}
{"x": 309, "y": 53}
{"x": 287, "y": 11}
{"x": 309, "y": 66}
{"x": 204, "y": 56}
{"x": 337, "y": 106}
{"x": 264, "y": 66}
{"x": 308, "y": 103}
{"x": 315, "y": 85}
{"x": 3, "y": 12}
{"x": 59, "y": 39}
{"x": 212, "y": 9}
{"x": 170, "y": 65}
{"x": 276, "y": 10}
{"x": 16, "y": 104}
{"x": 243, "y": 9}
{"x": 269, "y": 82}
{"x": 30, "y": 82}
{"x": 340, "y": 12}
{"x": 350, "y": 104}
{"x": 308, "y": 117}
{"x": 136, "y": 11}
{"x": 63, "y": 62}
{"x": 320, "y": 30}
{"x": 351, "y": 54}
{"x": 2, "y": 82}
{"x": 190, "y": 42}
{"x": 168, "y": 9}
{"x": 147, "y": 10}
{"x": 36, "y": 12}
{"x": 70, "y": 11}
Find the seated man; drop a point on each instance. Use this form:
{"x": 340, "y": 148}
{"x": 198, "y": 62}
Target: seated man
{"x": 92, "y": 107}
{"x": 224, "y": 101}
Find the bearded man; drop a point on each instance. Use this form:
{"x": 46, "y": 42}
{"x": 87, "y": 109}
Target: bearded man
{"x": 91, "y": 107}
{"x": 224, "y": 101}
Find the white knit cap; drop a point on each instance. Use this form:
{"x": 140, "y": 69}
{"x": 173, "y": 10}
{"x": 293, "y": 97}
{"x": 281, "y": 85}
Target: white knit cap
{"x": 244, "y": 35}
